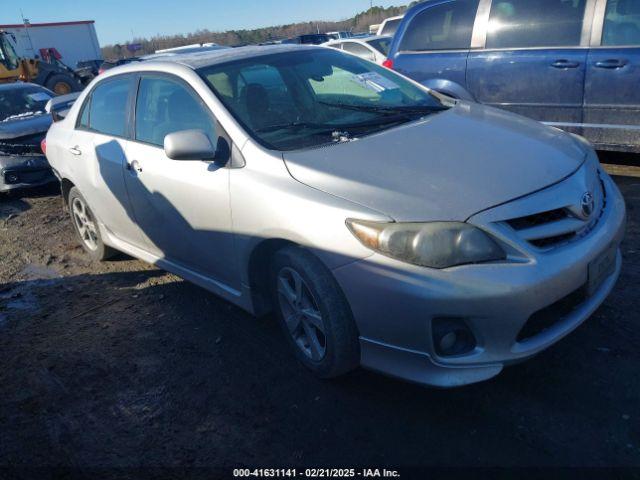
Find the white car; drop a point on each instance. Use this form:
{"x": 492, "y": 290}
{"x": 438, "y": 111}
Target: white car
{"x": 374, "y": 49}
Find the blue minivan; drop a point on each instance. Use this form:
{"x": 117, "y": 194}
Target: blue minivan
{"x": 573, "y": 64}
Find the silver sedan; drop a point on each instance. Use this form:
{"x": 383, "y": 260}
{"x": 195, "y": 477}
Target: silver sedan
{"x": 385, "y": 225}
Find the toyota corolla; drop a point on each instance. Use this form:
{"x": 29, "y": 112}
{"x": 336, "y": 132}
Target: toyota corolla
{"x": 385, "y": 225}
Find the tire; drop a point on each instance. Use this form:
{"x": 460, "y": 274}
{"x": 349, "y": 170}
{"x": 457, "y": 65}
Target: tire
{"x": 86, "y": 227}
{"x": 62, "y": 84}
{"x": 336, "y": 350}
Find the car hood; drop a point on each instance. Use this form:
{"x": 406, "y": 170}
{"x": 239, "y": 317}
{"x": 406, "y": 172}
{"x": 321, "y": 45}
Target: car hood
{"x": 447, "y": 166}
{"x": 23, "y": 126}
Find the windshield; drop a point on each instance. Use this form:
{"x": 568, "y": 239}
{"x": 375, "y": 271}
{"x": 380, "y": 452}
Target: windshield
{"x": 381, "y": 44}
{"x": 22, "y": 102}
{"x": 294, "y": 100}
{"x": 7, "y": 54}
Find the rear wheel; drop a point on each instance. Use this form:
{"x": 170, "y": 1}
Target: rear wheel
{"x": 314, "y": 314}
{"x": 86, "y": 227}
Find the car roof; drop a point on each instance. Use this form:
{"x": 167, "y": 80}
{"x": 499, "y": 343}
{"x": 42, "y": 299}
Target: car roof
{"x": 215, "y": 57}
{"x": 19, "y": 86}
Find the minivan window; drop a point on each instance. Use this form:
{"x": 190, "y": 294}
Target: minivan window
{"x": 622, "y": 23}
{"x": 108, "y": 107}
{"x": 165, "y": 106}
{"x": 442, "y": 27}
{"x": 543, "y": 23}
{"x": 324, "y": 96}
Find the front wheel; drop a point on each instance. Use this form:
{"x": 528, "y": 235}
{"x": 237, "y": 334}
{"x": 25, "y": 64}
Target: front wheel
{"x": 313, "y": 313}
{"x": 86, "y": 227}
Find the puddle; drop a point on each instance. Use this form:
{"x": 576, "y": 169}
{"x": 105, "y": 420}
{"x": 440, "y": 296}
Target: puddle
{"x": 34, "y": 271}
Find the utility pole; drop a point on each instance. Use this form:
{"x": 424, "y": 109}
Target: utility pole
{"x": 26, "y": 23}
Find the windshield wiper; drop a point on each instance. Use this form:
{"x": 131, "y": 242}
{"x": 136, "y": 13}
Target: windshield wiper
{"x": 409, "y": 109}
{"x": 291, "y": 125}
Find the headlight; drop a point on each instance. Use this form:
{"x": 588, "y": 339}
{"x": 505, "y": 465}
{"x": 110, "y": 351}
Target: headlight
{"x": 435, "y": 244}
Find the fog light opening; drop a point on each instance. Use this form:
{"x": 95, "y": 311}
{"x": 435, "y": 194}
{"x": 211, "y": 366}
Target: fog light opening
{"x": 11, "y": 178}
{"x": 452, "y": 337}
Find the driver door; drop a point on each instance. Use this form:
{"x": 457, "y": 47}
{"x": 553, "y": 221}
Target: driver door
{"x": 182, "y": 207}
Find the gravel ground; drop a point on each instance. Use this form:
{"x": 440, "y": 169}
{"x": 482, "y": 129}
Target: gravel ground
{"x": 120, "y": 365}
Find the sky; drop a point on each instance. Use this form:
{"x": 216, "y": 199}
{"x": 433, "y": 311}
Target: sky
{"x": 118, "y": 21}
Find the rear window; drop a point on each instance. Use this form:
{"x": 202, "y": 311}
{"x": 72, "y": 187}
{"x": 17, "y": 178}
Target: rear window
{"x": 442, "y": 27}
{"x": 381, "y": 44}
{"x": 391, "y": 26}
{"x": 543, "y": 23}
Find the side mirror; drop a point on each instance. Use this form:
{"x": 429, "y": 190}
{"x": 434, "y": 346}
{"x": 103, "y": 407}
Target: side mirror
{"x": 189, "y": 145}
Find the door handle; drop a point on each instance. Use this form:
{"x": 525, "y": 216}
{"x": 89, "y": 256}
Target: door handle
{"x": 75, "y": 150}
{"x": 611, "y": 63}
{"x": 565, "y": 64}
{"x": 134, "y": 166}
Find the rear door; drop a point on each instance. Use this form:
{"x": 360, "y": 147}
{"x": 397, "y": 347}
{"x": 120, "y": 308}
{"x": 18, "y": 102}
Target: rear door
{"x": 96, "y": 149}
{"x": 612, "y": 91}
{"x": 534, "y": 60}
{"x": 434, "y": 44}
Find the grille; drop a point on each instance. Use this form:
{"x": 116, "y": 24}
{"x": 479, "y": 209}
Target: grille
{"x": 538, "y": 219}
{"x": 547, "y": 317}
{"x": 552, "y": 228}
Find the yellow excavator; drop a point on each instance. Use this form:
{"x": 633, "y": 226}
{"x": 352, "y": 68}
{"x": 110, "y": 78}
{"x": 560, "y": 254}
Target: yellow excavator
{"x": 55, "y": 77}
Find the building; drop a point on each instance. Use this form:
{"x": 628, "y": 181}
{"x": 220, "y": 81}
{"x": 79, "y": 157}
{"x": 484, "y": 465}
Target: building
{"x": 75, "y": 41}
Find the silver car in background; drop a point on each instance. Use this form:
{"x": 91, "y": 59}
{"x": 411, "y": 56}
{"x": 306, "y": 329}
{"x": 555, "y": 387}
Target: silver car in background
{"x": 386, "y": 226}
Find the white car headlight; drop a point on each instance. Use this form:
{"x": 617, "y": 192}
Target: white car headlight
{"x": 434, "y": 244}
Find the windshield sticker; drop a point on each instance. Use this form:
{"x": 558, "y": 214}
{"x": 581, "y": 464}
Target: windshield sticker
{"x": 374, "y": 81}
{"x": 40, "y": 97}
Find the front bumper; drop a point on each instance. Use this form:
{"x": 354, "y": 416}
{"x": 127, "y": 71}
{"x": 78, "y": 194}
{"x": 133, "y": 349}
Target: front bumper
{"x": 394, "y": 304}
{"x": 24, "y": 171}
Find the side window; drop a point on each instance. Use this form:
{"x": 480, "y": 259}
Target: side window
{"x": 108, "y": 107}
{"x": 622, "y": 23}
{"x": 543, "y": 23}
{"x": 359, "y": 50}
{"x": 83, "y": 122}
{"x": 165, "y": 106}
{"x": 443, "y": 27}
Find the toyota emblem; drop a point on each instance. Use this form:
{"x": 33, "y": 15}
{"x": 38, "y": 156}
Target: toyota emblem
{"x": 588, "y": 204}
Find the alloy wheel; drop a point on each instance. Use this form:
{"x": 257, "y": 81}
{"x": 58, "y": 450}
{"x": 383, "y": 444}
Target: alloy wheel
{"x": 301, "y": 314}
{"x": 85, "y": 224}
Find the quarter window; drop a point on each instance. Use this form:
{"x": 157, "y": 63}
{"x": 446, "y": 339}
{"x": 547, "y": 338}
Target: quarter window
{"x": 622, "y": 23}
{"x": 84, "y": 117}
{"x": 165, "y": 106}
{"x": 543, "y": 23}
{"x": 108, "y": 107}
{"x": 442, "y": 27}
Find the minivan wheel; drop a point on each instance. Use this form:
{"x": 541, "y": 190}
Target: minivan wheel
{"x": 313, "y": 313}
{"x": 86, "y": 227}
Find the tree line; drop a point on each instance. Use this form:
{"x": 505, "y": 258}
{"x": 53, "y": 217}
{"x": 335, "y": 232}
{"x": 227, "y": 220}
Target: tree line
{"x": 359, "y": 23}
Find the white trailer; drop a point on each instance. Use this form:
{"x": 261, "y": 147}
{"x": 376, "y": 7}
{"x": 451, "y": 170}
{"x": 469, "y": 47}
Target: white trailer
{"x": 75, "y": 41}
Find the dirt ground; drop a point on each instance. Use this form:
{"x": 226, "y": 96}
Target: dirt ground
{"x": 120, "y": 365}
